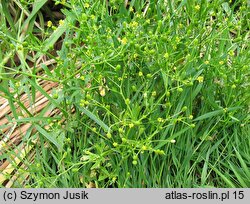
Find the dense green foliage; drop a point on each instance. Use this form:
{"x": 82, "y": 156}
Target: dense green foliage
{"x": 151, "y": 94}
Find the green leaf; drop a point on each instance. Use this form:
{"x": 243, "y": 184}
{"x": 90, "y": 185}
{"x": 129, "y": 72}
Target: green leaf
{"x": 36, "y": 119}
{"x": 209, "y": 115}
{"x": 36, "y": 7}
{"x": 163, "y": 142}
{"x": 7, "y": 15}
{"x": 238, "y": 173}
{"x": 204, "y": 169}
{"x": 10, "y": 100}
{"x": 50, "y": 136}
{"x": 39, "y": 88}
{"x": 229, "y": 183}
{"x": 165, "y": 80}
{"x": 243, "y": 164}
{"x": 95, "y": 118}
{"x": 54, "y": 37}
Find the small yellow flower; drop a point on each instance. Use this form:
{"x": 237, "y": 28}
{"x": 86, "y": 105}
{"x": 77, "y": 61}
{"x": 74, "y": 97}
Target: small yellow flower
{"x": 61, "y": 22}
{"x": 102, "y": 91}
{"x": 154, "y": 93}
{"x": 134, "y": 24}
{"x": 233, "y": 86}
{"x": 140, "y": 74}
{"x": 18, "y": 84}
{"x": 135, "y": 55}
{"x": 197, "y": 7}
{"x": 166, "y": 55}
{"x": 231, "y": 53}
{"x": 82, "y": 78}
{"x": 206, "y": 62}
{"x": 115, "y": 144}
{"x": 160, "y": 120}
{"x": 86, "y": 5}
{"x": 124, "y": 140}
{"x": 49, "y": 24}
{"x": 131, "y": 125}
{"x": 200, "y": 79}
{"x": 180, "y": 25}
{"x": 124, "y": 41}
{"x": 127, "y": 101}
{"x": 84, "y": 103}
{"x": 191, "y": 117}
{"x": 221, "y": 62}
{"x": 131, "y": 9}
{"x": 213, "y": 13}
{"x": 138, "y": 15}
{"x": 109, "y": 135}
{"x": 144, "y": 148}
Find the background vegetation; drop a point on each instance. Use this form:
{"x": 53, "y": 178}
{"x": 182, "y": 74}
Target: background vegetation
{"x": 144, "y": 93}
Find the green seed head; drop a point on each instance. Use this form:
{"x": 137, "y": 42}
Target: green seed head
{"x": 180, "y": 89}
{"x": 118, "y": 67}
{"x": 184, "y": 108}
{"x": 109, "y": 135}
{"x": 149, "y": 75}
{"x": 74, "y": 170}
{"x": 120, "y": 130}
{"x": 190, "y": 117}
{"x": 135, "y": 157}
{"x": 55, "y": 96}
{"x": 127, "y": 101}
{"x": 192, "y": 125}
{"x": 134, "y": 162}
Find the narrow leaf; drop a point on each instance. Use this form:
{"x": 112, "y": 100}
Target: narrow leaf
{"x": 95, "y": 118}
{"x": 49, "y": 136}
{"x": 209, "y": 115}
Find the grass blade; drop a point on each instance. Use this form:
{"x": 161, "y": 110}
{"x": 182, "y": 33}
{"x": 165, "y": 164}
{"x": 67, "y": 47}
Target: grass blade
{"x": 49, "y": 136}
{"x": 95, "y": 118}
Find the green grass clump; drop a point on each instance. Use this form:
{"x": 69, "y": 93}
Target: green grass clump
{"x": 159, "y": 92}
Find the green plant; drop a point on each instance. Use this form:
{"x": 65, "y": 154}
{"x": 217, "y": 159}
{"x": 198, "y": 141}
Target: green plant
{"x": 150, "y": 94}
